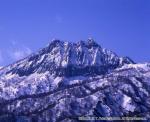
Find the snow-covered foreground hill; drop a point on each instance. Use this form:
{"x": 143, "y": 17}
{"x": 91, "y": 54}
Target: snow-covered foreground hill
{"x": 65, "y": 81}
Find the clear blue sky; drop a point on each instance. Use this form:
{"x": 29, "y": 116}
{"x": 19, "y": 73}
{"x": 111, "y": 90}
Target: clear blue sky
{"x": 122, "y": 26}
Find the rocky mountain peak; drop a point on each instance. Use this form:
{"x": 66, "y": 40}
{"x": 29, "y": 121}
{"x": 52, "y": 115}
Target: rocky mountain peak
{"x": 69, "y": 59}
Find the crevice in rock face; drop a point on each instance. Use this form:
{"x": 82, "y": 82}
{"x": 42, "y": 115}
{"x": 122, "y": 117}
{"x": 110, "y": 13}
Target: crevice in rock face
{"x": 71, "y": 71}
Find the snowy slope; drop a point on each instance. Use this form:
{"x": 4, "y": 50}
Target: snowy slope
{"x": 123, "y": 92}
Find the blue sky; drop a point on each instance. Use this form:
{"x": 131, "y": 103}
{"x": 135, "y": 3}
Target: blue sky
{"x": 122, "y": 26}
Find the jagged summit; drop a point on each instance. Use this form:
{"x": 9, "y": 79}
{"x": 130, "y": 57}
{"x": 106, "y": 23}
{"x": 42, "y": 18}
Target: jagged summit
{"x": 89, "y": 43}
{"x": 69, "y": 59}
{"x": 92, "y": 43}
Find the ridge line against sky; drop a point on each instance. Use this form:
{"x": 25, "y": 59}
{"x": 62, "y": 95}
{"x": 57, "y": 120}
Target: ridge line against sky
{"x": 120, "y": 26}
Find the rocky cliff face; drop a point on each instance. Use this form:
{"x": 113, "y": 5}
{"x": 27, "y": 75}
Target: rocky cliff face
{"x": 65, "y": 81}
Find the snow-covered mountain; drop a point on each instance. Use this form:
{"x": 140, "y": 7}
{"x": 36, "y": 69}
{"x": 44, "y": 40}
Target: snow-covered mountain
{"x": 64, "y": 81}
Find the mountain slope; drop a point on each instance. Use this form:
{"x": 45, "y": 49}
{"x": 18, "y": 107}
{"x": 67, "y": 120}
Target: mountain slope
{"x": 65, "y": 81}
